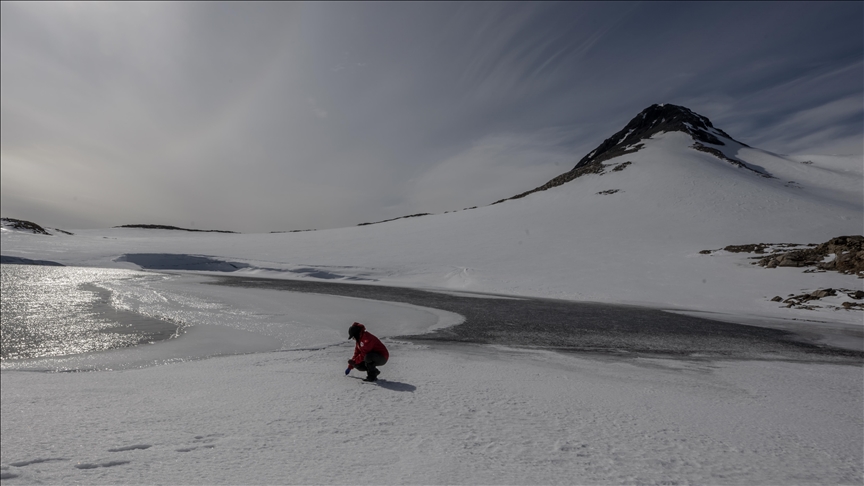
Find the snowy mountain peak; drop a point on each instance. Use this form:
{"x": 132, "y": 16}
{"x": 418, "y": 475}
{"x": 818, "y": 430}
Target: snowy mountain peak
{"x": 654, "y": 120}
{"x": 651, "y": 121}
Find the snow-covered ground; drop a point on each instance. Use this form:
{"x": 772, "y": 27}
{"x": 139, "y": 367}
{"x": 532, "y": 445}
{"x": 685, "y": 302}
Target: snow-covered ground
{"x": 461, "y": 415}
{"x": 465, "y": 414}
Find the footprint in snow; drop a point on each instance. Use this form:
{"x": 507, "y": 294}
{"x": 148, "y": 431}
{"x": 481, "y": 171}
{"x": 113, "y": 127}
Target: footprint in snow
{"x": 5, "y": 473}
{"x": 94, "y": 465}
{"x": 206, "y": 440}
{"x": 131, "y": 448}
{"x": 37, "y": 461}
{"x": 581, "y": 450}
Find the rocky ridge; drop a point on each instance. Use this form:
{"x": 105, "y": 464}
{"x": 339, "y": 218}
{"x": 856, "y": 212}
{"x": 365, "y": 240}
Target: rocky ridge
{"x": 848, "y": 258}
{"x": 172, "y": 228}
{"x": 394, "y": 219}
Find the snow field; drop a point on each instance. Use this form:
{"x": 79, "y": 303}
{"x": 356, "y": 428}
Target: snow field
{"x": 444, "y": 415}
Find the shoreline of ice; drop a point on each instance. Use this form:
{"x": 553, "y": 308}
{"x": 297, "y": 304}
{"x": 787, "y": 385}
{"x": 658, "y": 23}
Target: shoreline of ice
{"x": 217, "y": 321}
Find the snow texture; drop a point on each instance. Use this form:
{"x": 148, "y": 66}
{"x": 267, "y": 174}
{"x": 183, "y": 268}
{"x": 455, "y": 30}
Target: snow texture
{"x": 455, "y": 415}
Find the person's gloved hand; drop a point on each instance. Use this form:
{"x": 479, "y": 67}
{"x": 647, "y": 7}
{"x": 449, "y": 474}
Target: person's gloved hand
{"x": 351, "y": 363}
{"x": 347, "y": 370}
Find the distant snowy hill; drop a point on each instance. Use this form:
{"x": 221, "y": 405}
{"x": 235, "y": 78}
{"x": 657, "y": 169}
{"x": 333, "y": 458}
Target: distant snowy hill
{"x": 11, "y": 224}
{"x": 626, "y": 224}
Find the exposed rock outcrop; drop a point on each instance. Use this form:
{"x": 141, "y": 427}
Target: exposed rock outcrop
{"x": 594, "y": 168}
{"x": 806, "y": 300}
{"x": 848, "y": 252}
{"x": 844, "y": 254}
{"x": 737, "y": 163}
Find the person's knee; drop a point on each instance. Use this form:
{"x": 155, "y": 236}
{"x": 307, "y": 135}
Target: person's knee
{"x": 375, "y": 359}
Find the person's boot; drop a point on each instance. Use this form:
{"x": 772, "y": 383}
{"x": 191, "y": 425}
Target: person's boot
{"x": 372, "y": 374}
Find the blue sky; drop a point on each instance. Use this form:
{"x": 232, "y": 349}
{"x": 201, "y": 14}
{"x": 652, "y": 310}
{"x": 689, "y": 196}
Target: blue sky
{"x": 279, "y": 116}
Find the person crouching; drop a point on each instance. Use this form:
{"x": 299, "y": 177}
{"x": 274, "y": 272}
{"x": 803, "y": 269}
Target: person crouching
{"x": 369, "y": 352}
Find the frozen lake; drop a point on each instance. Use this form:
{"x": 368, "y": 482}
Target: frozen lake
{"x": 580, "y": 327}
{"x": 77, "y": 313}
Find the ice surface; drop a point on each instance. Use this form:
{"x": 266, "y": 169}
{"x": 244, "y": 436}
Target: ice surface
{"x": 219, "y": 321}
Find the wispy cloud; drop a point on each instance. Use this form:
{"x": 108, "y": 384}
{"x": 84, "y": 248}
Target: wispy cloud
{"x": 491, "y": 168}
{"x": 288, "y": 115}
{"x": 317, "y": 110}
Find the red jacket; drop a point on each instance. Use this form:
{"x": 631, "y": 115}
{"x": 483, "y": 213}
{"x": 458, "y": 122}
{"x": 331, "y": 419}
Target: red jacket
{"x": 366, "y": 344}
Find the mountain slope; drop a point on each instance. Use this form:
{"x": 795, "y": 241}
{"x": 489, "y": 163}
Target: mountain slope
{"x": 630, "y": 230}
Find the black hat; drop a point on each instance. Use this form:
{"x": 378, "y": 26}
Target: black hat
{"x": 356, "y": 330}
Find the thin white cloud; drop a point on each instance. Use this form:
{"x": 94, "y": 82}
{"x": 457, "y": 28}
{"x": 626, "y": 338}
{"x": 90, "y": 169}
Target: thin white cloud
{"x": 317, "y": 110}
{"x": 492, "y": 168}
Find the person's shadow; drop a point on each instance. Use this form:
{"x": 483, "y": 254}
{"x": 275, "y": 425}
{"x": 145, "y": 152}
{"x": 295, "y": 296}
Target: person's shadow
{"x": 396, "y": 386}
{"x": 392, "y": 385}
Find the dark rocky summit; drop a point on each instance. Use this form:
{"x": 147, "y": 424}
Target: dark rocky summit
{"x": 651, "y": 121}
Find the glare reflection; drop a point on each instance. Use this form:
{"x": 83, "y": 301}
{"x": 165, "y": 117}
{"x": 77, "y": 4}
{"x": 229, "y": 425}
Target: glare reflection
{"x": 54, "y": 311}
